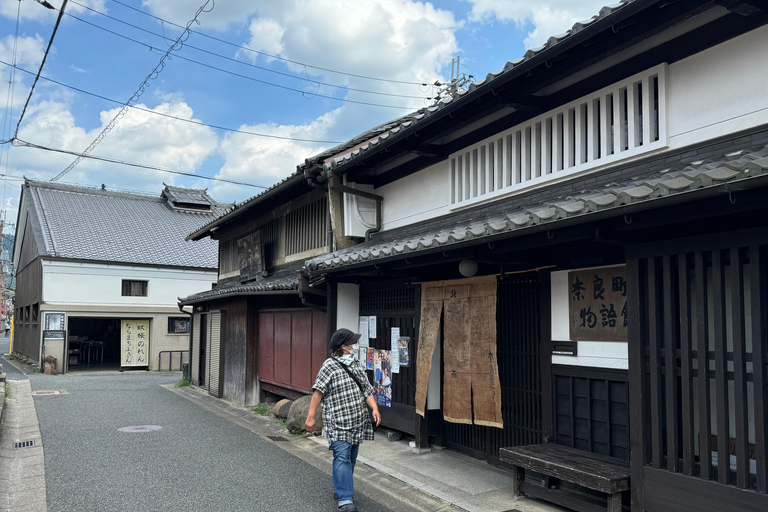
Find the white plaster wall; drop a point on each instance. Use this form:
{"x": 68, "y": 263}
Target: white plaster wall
{"x": 89, "y": 283}
{"x": 714, "y": 93}
{"x": 415, "y": 198}
{"x": 348, "y": 307}
{"x": 719, "y": 91}
{"x": 598, "y": 354}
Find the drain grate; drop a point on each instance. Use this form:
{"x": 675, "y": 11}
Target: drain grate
{"x": 24, "y": 444}
{"x": 277, "y": 438}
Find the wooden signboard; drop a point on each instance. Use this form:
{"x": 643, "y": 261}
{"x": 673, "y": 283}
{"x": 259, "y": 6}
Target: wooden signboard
{"x": 597, "y": 301}
{"x": 134, "y": 343}
{"x": 251, "y": 256}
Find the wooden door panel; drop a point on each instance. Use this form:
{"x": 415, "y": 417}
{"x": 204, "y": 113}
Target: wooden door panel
{"x": 266, "y": 345}
{"x": 283, "y": 327}
{"x": 301, "y": 350}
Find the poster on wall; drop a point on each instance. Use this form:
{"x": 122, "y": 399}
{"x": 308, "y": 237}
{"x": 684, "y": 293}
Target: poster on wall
{"x": 53, "y": 327}
{"x": 134, "y": 343}
{"x": 404, "y": 350}
{"x": 597, "y": 301}
{"x": 372, "y": 327}
{"x": 395, "y": 335}
{"x": 382, "y": 377}
{"x": 363, "y": 330}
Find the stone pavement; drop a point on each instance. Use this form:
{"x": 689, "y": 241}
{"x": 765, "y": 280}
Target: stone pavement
{"x": 22, "y": 470}
{"x": 457, "y": 482}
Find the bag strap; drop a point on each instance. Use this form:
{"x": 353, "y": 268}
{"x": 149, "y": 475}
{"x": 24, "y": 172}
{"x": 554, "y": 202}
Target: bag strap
{"x": 344, "y": 367}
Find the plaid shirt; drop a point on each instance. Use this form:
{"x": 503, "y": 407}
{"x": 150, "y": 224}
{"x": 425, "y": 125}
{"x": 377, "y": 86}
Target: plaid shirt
{"x": 345, "y": 414}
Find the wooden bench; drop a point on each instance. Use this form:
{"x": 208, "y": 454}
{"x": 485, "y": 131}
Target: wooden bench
{"x": 590, "y": 470}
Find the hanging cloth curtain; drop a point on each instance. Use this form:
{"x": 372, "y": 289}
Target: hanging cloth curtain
{"x": 471, "y": 388}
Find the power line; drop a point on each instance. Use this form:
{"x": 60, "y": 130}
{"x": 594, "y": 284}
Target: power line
{"x": 306, "y": 94}
{"x": 276, "y": 57}
{"x": 281, "y": 73}
{"x": 7, "y": 122}
{"x": 45, "y": 56}
{"x": 136, "y": 95}
{"x": 191, "y": 121}
{"x": 22, "y": 143}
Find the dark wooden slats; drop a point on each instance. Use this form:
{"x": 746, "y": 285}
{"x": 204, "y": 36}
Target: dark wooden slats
{"x": 671, "y": 394}
{"x": 721, "y": 368}
{"x": 702, "y": 344}
{"x": 655, "y": 377}
{"x": 638, "y": 395}
{"x": 686, "y": 367}
{"x": 741, "y": 433}
{"x": 757, "y": 281}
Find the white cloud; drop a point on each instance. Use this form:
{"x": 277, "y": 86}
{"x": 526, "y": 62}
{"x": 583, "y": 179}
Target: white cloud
{"x": 549, "y": 17}
{"x": 265, "y": 161}
{"x": 138, "y": 137}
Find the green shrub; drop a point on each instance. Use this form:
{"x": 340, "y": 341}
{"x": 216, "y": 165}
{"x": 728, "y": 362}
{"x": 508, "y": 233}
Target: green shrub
{"x": 183, "y": 382}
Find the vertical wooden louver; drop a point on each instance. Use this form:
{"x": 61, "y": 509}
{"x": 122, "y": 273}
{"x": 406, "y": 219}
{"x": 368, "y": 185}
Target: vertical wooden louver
{"x": 195, "y": 356}
{"x": 305, "y": 227}
{"x": 214, "y": 349}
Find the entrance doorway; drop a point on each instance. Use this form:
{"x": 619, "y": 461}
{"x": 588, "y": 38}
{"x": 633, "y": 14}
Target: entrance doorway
{"x": 94, "y": 344}
{"x": 519, "y": 333}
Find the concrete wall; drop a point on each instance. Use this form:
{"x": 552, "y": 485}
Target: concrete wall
{"x": 717, "y": 92}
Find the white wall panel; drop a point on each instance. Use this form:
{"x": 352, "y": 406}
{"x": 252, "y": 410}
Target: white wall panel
{"x": 719, "y": 91}
{"x": 87, "y": 283}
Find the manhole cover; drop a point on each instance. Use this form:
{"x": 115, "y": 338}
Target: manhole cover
{"x": 140, "y": 428}
{"x": 277, "y": 438}
{"x": 24, "y": 444}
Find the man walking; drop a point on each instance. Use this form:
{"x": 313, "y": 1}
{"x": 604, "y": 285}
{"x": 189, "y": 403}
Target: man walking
{"x": 343, "y": 388}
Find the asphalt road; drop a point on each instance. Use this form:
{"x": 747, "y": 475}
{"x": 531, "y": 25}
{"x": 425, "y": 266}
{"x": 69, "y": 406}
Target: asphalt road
{"x": 196, "y": 461}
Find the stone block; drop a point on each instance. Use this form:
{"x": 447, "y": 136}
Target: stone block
{"x": 298, "y": 415}
{"x": 282, "y": 407}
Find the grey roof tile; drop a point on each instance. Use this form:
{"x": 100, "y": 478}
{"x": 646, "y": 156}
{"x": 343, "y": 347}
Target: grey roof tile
{"x": 105, "y": 225}
{"x": 457, "y": 228}
{"x": 285, "y": 278}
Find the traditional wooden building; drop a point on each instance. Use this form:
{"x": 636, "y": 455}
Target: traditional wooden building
{"x": 609, "y": 186}
{"x": 98, "y": 272}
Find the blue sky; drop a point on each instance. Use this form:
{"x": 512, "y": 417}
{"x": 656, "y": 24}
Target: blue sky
{"x": 252, "y": 66}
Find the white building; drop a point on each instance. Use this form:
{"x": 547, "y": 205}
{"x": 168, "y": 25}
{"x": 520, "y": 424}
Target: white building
{"x": 99, "y": 273}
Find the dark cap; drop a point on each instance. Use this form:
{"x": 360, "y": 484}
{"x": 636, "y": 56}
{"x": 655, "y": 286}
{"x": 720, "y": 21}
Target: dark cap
{"x": 343, "y": 337}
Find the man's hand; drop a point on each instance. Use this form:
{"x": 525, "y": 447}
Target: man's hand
{"x": 309, "y": 424}
{"x": 376, "y": 417}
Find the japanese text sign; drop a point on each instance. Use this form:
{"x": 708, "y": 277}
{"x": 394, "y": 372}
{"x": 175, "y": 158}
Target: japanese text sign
{"x": 134, "y": 343}
{"x": 597, "y": 304}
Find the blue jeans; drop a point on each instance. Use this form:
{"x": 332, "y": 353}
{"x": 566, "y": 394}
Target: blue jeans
{"x": 344, "y": 459}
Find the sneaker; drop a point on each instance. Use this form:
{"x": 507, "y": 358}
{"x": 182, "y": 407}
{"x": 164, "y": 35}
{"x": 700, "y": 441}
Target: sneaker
{"x": 348, "y": 507}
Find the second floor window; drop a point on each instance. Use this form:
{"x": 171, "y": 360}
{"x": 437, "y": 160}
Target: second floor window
{"x": 134, "y": 288}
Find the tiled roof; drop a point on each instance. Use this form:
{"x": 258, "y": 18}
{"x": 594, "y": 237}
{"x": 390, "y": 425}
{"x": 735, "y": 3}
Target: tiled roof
{"x": 285, "y": 278}
{"x": 739, "y": 165}
{"x": 372, "y": 138}
{"x": 188, "y": 195}
{"x": 339, "y": 155}
{"x": 104, "y": 225}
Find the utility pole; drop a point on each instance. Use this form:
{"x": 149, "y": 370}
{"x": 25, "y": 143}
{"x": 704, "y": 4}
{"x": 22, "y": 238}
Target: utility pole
{"x": 457, "y": 80}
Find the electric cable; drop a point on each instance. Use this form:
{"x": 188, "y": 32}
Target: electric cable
{"x": 142, "y": 87}
{"x": 45, "y": 56}
{"x": 276, "y": 57}
{"x": 22, "y": 143}
{"x": 191, "y": 121}
{"x": 240, "y": 75}
{"x": 202, "y": 50}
